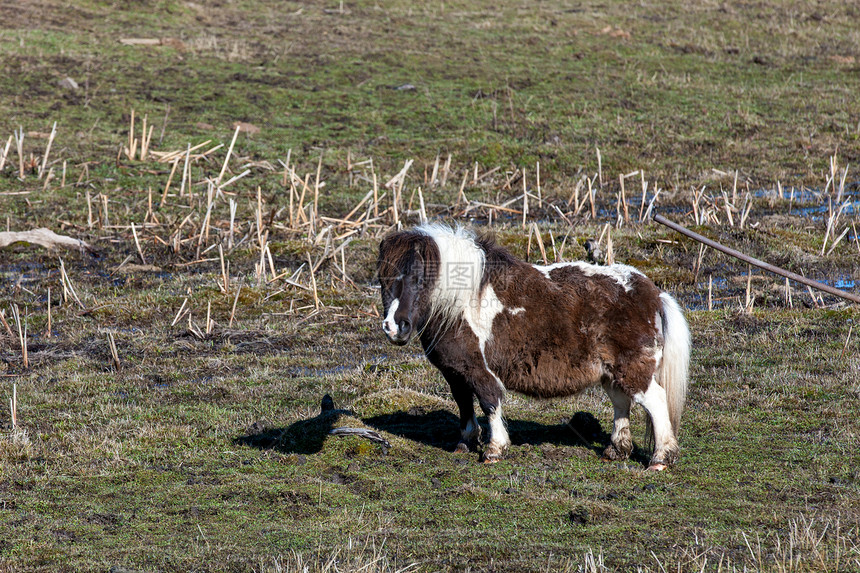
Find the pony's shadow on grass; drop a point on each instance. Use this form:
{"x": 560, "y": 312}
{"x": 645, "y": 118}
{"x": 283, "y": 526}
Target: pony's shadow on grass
{"x": 302, "y": 437}
{"x": 440, "y": 428}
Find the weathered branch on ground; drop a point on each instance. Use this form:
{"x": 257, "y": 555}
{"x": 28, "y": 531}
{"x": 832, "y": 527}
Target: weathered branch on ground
{"x": 44, "y": 238}
{"x": 362, "y": 433}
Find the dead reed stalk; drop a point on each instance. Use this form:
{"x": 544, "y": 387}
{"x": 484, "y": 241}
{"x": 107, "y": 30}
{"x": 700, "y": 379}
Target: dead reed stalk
{"x": 5, "y": 154}
{"x": 6, "y": 324}
{"x": 591, "y": 193}
{"x": 210, "y": 324}
{"x": 525, "y": 200}
{"x": 316, "y": 212}
{"x": 227, "y": 158}
{"x": 13, "y": 406}
{"x": 235, "y": 302}
{"x": 146, "y": 137}
{"x": 180, "y": 312}
{"x": 131, "y": 150}
{"x": 847, "y": 340}
{"x": 314, "y": 283}
{"x": 48, "y": 150}
{"x": 422, "y": 213}
{"x": 68, "y": 287}
{"x": 114, "y": 355}
{"x": 48, "y": 332}
{"x": 22, "y": 335}
{"x": 711, "y": 292}
{"x": 185, "y": 172}
{"x": 225, "y": 278}
{"x": 623, "y": 196}
{"x": 106, "y": 221}
{"x": 599, "y": 167}
{"x": 19, "y": 145}
{"x": 750, "y": 298}
{"x": 137, "y": 244}
{"x": 539, "y": 239}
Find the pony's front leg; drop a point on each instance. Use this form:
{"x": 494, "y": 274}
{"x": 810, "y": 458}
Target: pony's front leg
{"x": 470, "y": 431}
{"x": 499, "y": 439}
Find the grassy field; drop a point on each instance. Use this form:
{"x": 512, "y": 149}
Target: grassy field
{"x": 167, "y": 384}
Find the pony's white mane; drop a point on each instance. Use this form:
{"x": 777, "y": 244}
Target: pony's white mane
{"x": 461, "y": 266}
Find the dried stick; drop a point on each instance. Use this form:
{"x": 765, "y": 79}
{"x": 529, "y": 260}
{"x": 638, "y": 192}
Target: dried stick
{"x": 534, "y": 229}
{"x": 224, "y": 277}
{"x": 644, "y": 195}
{"x": 19, "y": 144}
{"x": 48, "y": 150}
{"x": 233, "y": 206}
{"x": 5, "y": 153}
{"x": 209, "y": 323}
{"x": 229, "y": 152}
{"x": 132, "y": 142}
{"x": 22, "y": 335}
{"x": 233, "y": 312}
{"x": 13, "y": 406}
{"x": 313, "y": 283}
{"x": 525, "y": 200}
{"x": 68, "y": 288}
{"x": 599, "y": 167}
{"x": 179, "y": 313}
{"x": 711, "y": 291}
{"x": 422, "y": 213}
{"x": 847, "y": 340}
{"x": 137, "y": 243}
{"x": 113, "y": 353}
{"x": 375, "y": 196}
{"x": 48, "y": 333}
{"x": 317, "y": 192}
{"x": 6, "y": 324}
{"x": 591, "y": 196}
{"x": 757, "y": 263}
{"x": 169, "y": 179}
{"x": 750, "y": 299}
{"x": 185, "y": 172}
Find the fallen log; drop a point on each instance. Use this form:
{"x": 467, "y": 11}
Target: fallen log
{"x": 44, "y": 238}
{"x": 757, "y": 263}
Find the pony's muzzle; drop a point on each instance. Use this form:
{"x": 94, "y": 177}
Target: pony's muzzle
{"x": 398, "y": 333}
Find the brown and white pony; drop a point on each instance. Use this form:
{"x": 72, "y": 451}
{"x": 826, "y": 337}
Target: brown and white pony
{"x": 491, "y": 323}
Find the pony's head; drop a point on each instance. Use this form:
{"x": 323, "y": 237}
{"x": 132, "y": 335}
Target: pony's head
{"x": 406, "y": 268}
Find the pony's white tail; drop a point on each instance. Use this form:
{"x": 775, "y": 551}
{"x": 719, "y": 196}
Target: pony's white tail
{"x": 673, "y": 373}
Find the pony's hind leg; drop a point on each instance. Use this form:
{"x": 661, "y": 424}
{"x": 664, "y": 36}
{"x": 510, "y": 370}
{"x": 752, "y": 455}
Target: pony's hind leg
{"x": 665, "y": 444}
{"x": 621, "y": 445}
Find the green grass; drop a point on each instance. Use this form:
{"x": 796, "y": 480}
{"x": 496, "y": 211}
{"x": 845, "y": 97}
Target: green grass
{"x": 209, "y": 451}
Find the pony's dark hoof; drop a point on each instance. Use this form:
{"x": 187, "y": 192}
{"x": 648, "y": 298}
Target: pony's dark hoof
{"x": 491, "y": 455}
{"x": 662, "y": 460}
{"x": 613, "y": 454}
{"x": 462, "y": 448}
